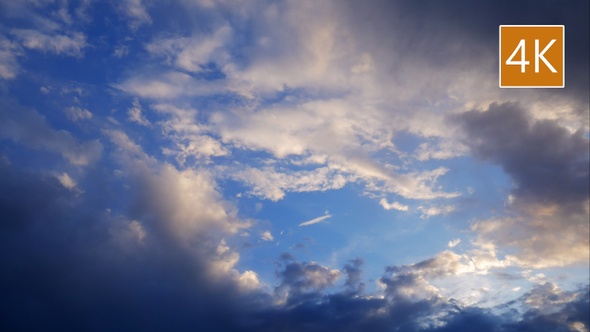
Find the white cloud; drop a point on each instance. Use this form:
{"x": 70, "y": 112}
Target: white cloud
{"x": 316, "y": 220}
{"x": 72, "y": 44}
{"x": 271, "y": 184}
{"x": 136, "y": 12}
{"x": 542, "y": 237}
{"x": 432, "y": 211}
{"x": 190, "y": 137}
{"x": 8, "y": 63}
{"x": 67, "y": 181}
{"x": 135, "y": 114}
{"x": 267, "y": 236}
{"x": 191, "y": 53}
{"x": 444, "y": 149}
{"x": 168, "y": 85}
{"x": 77, "y": 114}
{"x": 454, "y": 243}
{"x": 392, "y": 206}
{"x": 187, "y": 201}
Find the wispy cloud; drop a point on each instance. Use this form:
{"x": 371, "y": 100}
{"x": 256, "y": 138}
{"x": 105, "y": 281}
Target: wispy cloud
{"x": 454, "y": 243}
{"x": 135, "y": 114}
{"x": 316, "y": 220}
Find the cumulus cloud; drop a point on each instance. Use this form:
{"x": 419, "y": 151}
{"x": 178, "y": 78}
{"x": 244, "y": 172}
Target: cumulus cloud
{"x": 392, "y": 206}
{"x": 298, "y": 278}
{"x": 353, "y": 271}
{"x": 548, "y": 164}
{"x": 267, "y": 236}
{"x": 546, "y": 160}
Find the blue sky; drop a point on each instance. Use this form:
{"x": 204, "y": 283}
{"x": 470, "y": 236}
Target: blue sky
{"x": 288, "y": 166}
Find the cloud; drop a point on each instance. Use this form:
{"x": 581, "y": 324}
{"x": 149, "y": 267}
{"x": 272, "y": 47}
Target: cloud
{"x": 298, "y": 278}
{"x": 194, "y": 53}
{"x": 9, "y": 51}
{"x": 136, "y": 12}
{"x": 292, "y": 107}
{"x": 66, "y": 181}
{"x": 354, "y": 275}
{"x": 71, "y": 45}
{"x": 271, "y": 184}
{"x": 77, "y": 114}
{"x": 316, "y": 220}
{"x": 431, "y": 211}
{"x": 454, "y": 243}
{"x": 267, "y": 236}
{"x": 443, "y": 149}
{"x": 393, "y": 206}
{"x": 168, "y": 85}
{"x": 135, "y": 114}
{"x": 546, "y": 160}
{"x": 151, "y": 274}
{"x": 548, "y": 164}
{"x": 28, "y": 127}
{"x": 191, "y": 138}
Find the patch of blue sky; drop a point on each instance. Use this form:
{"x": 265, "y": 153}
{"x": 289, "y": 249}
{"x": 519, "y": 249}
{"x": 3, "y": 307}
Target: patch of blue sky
{"x": 358, "y": 227}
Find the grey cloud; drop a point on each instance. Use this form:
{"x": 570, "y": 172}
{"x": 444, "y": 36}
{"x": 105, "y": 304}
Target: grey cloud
{"x": 547, "y": 162}
{"x": 354, "y": 275}
{"x": 464, "y": 35}
{"x": 61, "y": 266}
{"x": 549, "y": 167}
{"x": 301, "y": 278}
{"x": 28, "y": 127}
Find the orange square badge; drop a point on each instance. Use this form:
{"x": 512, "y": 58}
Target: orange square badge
{"x": 532, "y": 56}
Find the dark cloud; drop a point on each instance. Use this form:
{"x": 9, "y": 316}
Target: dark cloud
{"x": 571, "y": 316}
{"x": 354, "y": 275}
{"x": 464, "y": 35}
{"x": 299, "y": 279}
{"x": 137, "y": 254}
{"x": 548, "y": 163}
{"x": 62, "y": 268}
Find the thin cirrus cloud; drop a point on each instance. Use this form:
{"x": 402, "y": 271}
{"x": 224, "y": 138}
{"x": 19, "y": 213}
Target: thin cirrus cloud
{"x": 178, "y": 169}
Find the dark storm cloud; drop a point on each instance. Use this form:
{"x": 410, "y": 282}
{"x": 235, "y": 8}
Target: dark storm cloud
{"x": 62, "y": 268}
{"x": 548, "y": 163}
{"x": 570, "y": 317}
{"x": 464, "y": 34}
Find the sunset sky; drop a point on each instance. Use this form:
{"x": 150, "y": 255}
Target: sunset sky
{"x": 203, "y": 165}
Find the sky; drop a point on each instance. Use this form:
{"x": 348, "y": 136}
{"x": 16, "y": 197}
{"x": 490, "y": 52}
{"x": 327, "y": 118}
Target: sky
{"x": 227, "y": 165}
